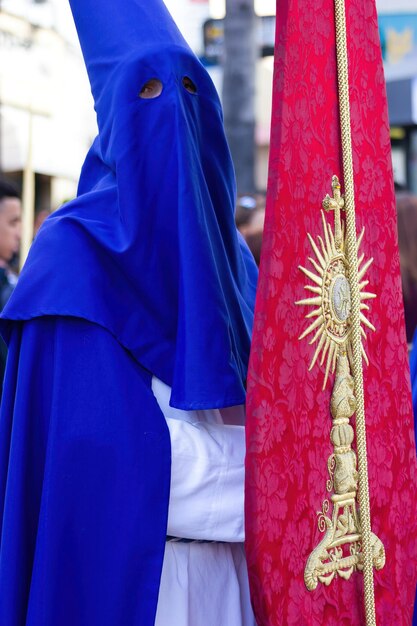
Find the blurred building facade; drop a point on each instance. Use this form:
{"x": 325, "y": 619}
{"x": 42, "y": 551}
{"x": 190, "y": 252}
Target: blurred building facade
{"x": 46, "y": 110}
{"x": 47, "y": 120}
{"x": 398, "y": 29}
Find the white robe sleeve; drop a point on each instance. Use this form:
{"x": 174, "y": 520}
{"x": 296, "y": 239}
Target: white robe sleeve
{"x": 207, "y": 481}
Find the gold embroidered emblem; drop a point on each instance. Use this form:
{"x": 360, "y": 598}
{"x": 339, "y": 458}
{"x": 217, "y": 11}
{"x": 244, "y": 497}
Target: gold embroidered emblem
{"x": 340, "y": 551}
{"x": 332, "y": 291}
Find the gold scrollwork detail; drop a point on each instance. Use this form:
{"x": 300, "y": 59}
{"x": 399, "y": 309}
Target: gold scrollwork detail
{"x": 339, "y": 553}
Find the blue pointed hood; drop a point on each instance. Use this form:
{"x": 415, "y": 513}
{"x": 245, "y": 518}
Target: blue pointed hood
{"x": 111, "y": 33}
{"x": 149, "y": 249}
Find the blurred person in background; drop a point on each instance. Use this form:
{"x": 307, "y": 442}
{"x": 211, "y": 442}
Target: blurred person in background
{"x": 10, "y": 234}
{"x": 250, "y": 218}
{"x": 407, "y": 241}
{"x": 40, "y": 217}
{"x": 245, "y": 208}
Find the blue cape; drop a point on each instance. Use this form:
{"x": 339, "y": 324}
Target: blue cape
{"x": 84, "y": 480}
{"x": 149, "y": 249}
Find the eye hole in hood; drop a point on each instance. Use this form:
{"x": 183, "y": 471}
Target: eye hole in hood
{"x": 151, "y": 89}
{"x": 189, "y": 85}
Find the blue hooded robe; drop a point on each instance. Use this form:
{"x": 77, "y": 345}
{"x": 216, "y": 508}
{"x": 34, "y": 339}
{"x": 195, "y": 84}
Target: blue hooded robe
{"x": 142, "y": 275}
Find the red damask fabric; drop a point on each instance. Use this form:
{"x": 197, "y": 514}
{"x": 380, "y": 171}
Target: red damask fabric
{"x": 289, "y": 421}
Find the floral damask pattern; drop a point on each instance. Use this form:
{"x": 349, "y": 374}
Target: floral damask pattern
{"x": 288, "y": 413}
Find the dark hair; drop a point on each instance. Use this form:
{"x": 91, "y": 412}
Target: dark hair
{"x": 407, "y": 240}
{"x": 8, "y": 191}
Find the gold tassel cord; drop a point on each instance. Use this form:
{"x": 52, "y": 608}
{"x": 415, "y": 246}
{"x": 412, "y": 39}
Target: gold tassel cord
{"x": 352, "y": 257}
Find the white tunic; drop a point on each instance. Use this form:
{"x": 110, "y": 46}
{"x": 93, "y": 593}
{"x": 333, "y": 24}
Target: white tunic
{"x": 205, "y": 584}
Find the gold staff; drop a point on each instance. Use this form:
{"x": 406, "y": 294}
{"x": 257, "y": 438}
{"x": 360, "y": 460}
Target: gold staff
{"x": 352, "y": 258}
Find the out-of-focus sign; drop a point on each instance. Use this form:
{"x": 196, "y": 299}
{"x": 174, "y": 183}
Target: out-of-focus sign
{"x": 214, "y": 38}
{"x": 398, "y": 34}
{"x": 213, "y": 31}
{"x": 398, "y": 37}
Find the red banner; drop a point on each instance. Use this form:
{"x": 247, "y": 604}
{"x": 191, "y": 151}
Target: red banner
{"x": 289, "y": 420}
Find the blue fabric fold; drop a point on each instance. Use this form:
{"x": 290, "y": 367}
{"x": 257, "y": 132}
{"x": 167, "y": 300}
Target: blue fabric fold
{"x": 84, "y": 480}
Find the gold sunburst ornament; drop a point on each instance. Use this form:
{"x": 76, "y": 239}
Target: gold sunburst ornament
{"x": 331, "y": 300}
{"x": 341, "y": 551}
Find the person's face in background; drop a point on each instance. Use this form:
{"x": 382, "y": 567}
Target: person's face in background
{"x": 10, "y": 228}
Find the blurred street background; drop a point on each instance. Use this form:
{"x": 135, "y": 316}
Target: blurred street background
{"x": 47, "y": 120}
